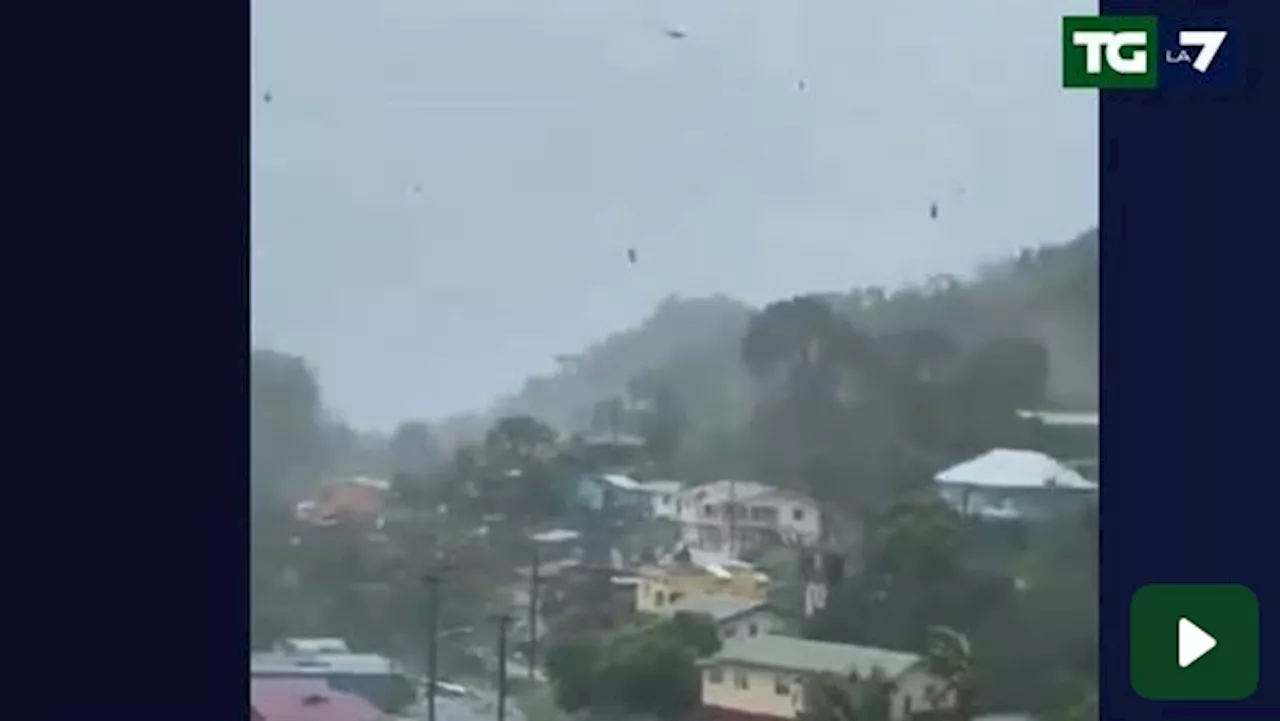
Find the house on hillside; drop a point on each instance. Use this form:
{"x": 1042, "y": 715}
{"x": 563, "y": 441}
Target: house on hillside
{"x": 690, "y": 578}
{"x": 313, "y": 646}
{"x": 357, "y": 500}
{"x": 664, "y": 497}
{"x": 736, "y": 618}
{"x": 735, "y": 516}
{"x": 376, "y": 679}
{"x": 764, "y": 677}
{"x": 613, "y": 492}
{"x": 306, "y": 700}
{"x": 1069, "y": 435}
{"x": 1005, "y": 484}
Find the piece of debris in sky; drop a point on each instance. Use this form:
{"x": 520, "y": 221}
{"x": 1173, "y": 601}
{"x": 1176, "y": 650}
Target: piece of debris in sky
{"x": 417, "y": 188}
{"x": 631, "y": 255}
{"x": 677, "y": 33}
{"x": 266, "y": 97}
{"x": 933, "y": 210}
{"x": 802, "y": 85}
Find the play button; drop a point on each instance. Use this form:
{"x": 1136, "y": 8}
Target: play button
{"x": 1193, "y": 643}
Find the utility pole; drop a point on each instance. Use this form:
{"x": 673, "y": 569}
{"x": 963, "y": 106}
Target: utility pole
{"x": 432, "y": 582}
{"x": 503, "y": 621}
{"x": 534, "y": 582}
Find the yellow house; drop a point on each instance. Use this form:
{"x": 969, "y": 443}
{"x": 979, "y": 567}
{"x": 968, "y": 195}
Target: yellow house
{"x": 762, "y": 678}
{"x": 661, "y": 586}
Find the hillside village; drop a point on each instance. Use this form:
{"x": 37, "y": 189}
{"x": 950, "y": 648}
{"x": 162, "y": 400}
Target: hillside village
{"x": 902, "y": 527}
{"x": 697, "y": 565}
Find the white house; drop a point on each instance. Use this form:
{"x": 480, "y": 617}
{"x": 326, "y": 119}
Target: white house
{"x": 663, "y": 496}
{"x": 732, "y": 516}
{"x": 1005, "y": 484}
{"x": 764, "y": 678}
{"x": 736, "y": 618}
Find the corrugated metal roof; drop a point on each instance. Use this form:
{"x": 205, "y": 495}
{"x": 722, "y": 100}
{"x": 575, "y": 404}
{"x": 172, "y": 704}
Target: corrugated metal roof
{"x": 556, "y": 535}
{"x": 1062, "y": 418}
{"x": 1005, "y": 468}
{"x": 662, "y": 486}
{"x": 719, "y": 608}
{"x": 617, "y": 480}
{"x": 721, "y": 491}
{"x": 355, "y": 663}
{"x": 293, "y": 700}
{"x": 313, "y": 645}
{"x": 806, "y": 656}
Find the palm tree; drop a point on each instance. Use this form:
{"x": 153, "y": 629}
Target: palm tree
{"x": 950, "y": 658}
{"x": 830, "y": 697}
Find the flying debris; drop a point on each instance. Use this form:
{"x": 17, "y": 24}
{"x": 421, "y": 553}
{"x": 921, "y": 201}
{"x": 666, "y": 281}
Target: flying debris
{"x": 417, "y": 188}
{"x": 266, "y": 97}
{"x": 802, "y": 86}
{"x": 677, "y": 33}
{"x": 631, "y": 255}
{"x": 933, "y": 211}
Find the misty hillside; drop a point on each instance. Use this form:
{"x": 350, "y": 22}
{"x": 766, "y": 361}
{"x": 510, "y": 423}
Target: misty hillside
{"x": 1049, "y": 294}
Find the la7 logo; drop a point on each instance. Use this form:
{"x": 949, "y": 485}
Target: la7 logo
{"x": 1209, "y": 42}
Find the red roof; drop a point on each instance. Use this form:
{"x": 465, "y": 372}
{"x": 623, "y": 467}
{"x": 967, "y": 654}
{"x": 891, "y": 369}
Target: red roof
{"x": 306, "y": 700}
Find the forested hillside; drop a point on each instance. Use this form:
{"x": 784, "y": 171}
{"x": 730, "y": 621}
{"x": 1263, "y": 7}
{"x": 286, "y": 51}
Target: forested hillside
{"x": 1048, "y": 294}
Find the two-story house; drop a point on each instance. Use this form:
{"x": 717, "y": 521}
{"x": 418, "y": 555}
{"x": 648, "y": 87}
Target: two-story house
{"x": 761, "y": 678}
{"x": 734, "y": 516}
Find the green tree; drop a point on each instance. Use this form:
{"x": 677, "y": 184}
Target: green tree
{"x": 516, "y": 440}
{"x": 645, "y": 670}
{"x": 412, "y": 450}
{"x": 286, "y": 451}
{"x": 830, "y": 697}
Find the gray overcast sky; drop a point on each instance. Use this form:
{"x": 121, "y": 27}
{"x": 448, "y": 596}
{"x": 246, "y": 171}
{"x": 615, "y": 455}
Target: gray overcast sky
{"x": 444, "y": 190}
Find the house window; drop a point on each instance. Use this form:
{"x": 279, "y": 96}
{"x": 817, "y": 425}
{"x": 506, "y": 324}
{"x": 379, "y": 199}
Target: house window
{"x": 659, "y": 598}
{"x": 753, "y": 629}
{"x": 797, "y": 514}
{"x": 728, "y": 632}
{"x": 675, "y": 597}
{"x": 679, "y": 506}
{"x": 781, "y": 685}
{"x": 740, "y": 680}
{"x": 906, "y": 707}
{"x": 715, "y": 675}
{"x": 708, "y": 510}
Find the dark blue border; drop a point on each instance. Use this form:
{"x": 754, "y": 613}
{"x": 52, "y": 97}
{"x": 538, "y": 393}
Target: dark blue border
{"x": 127, "y": 348}
{"x": 1188, "y": 387}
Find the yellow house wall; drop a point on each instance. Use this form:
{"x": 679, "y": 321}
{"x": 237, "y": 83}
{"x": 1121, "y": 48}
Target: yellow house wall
{"x": 759, "y": 697}
{"x": 744, "y": 586}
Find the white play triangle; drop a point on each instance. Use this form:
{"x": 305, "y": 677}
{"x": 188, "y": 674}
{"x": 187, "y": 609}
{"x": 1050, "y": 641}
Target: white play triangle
{"x": 1193, "y": 643}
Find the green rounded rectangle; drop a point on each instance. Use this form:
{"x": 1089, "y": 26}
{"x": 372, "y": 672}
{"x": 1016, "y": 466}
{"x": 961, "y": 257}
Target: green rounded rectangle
{"x": 1223, "y": 617}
